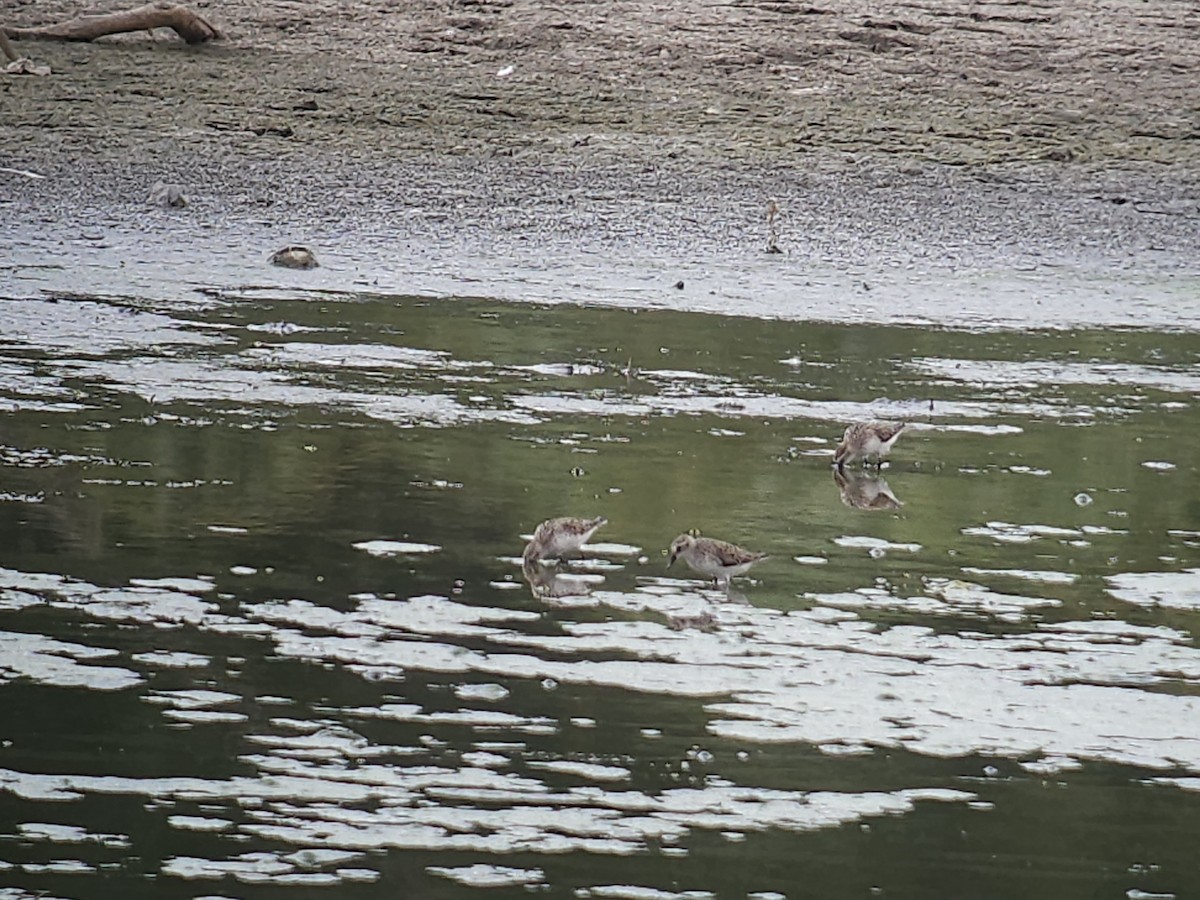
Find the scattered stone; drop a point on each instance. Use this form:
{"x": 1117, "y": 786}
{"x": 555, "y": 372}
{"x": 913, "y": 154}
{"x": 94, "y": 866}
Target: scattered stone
{"x": 168, "y": 195}
{"x": 26, "y": 66}
{"x": 705, "y": 622}
{"x": 294, "y": 258}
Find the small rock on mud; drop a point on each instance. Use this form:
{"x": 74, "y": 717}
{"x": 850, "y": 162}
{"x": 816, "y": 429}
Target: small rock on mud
{"x": 294, "y": 258}
{"x": 168, "y": 195}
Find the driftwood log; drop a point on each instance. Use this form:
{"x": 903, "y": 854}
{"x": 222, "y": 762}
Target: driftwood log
{"x": 187, "y": 24}
{"x": 6, "y": 48}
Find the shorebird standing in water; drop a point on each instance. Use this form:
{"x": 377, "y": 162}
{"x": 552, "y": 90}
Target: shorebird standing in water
{"x": 718, "y": 560}
{"x": 557, "y": 538}
{"x": 867, "y": 440}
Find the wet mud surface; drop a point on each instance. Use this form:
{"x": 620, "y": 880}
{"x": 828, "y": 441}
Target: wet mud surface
{"x": 439, "y": 146}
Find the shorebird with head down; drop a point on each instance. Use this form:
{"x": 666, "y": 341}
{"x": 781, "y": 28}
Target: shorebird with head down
{"x": 559, "y": 538}
{"x": 718, "y": 560}
{"x": 867, "y": 440}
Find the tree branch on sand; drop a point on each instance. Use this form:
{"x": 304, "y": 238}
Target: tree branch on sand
{"x": 187, "y": 24}
{"x": 6, "y": 48}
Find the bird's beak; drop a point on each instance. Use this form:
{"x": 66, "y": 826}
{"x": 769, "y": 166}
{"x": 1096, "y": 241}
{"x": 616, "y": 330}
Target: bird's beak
{"x": 671, "y": 561}
{"x": 839, "y": 454}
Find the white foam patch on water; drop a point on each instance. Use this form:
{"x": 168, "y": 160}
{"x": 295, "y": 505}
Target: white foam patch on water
{"x": 1029, "y": 470}
{"x": 1159, "y": 465}
{"x": 587, "y": 771}
{"x": 483, "y": 875}
{"x": 375, "y": 617}
{"x": 395, "y": 548}
{"x": 261, "y": 868}
{"x": 21, "y": 894}
{"x": 489, "y": 692}
{"x": 44, "y": 458}
{"x": 611, "y": 548}
{"x": 480, "y": 759}
{"x": 167, "y": 659}
{"x": 64, "y": 327}
{"x": 1005, "y": 373}
{"x": 199, "y": 823}
{"x": 1059, "y": 693}
{"x": 10, "y": 497}
{"x": 186, "y": 585}
{"x": 827, "y": 680}
{"x": 587, "y": 564}
{"x": 324, "y": 741}
{"x": 479, "y": 811}
{"x": 48, "y": 661}
{"x": 1042, "y": 577}
{"x": 69, "y": 834}
{"x": 284, "y": 328}
{"x": 191, "y": 699}
{"x": 944, "y": 597}
{"x": 14, "y": 600}
{"x": 215, "y": 381}
{"x": 20, "y": 379}
{"x": 1175, "y": 590}
{"x": 163, "y": 608}
{"x": 863, "y": 542}
{"x": 351, "y": 356}
{"x": 1010, "y": 533}
{"x": 561, "y": 370}
{"x": 680, "y": 375}
{"x": 204, "y": 716}
{"x": 1116, "y": 630}
{"x": 59, "y": 867}
{"x": 1051, "y": 765}
{"x": 485, "y": 719}
{"x": 736, "y": 401}
{"x": 317, "y": 858}
{"x": 636, "y": 892}
{"x": 988, "y": 430}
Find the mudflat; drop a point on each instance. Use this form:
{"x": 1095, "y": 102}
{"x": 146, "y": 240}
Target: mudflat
{"x": 959, "y": 135}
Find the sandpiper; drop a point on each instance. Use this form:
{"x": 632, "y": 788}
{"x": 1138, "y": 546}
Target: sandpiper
{"x": 866, "y": 440}
{"x": 556, "y": 538}
{"x": 719, "y": 560}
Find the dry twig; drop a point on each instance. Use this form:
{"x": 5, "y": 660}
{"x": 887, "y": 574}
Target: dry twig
{"x": 187, "y": 24}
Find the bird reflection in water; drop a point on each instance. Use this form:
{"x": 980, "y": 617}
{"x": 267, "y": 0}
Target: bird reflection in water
{"x": 545, "y": 582}
{"x": 862, "y": 490}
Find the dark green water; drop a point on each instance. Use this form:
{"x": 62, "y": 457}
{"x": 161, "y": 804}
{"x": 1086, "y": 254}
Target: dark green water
{"x": 988, "y": 690}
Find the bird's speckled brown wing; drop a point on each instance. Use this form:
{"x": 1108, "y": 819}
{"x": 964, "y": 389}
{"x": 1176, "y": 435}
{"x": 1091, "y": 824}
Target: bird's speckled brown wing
{"x": 729, "y": 554}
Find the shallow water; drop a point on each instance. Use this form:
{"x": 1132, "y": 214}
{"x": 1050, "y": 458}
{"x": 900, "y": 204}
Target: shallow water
{"x": 263, "y": 625}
